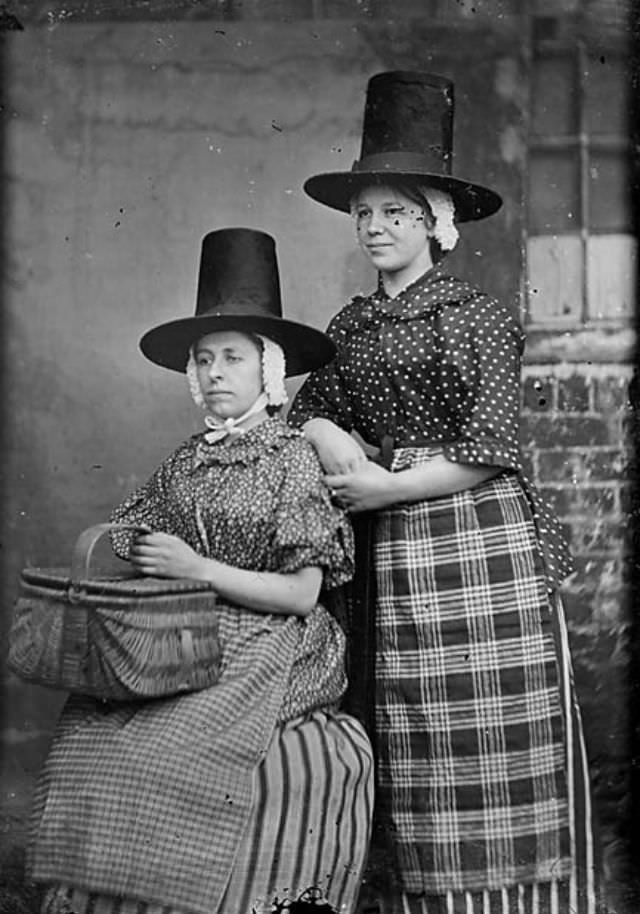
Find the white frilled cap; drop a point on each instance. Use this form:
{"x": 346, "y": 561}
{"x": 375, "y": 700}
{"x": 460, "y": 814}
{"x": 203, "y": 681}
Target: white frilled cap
{"x": 443, "y": 212}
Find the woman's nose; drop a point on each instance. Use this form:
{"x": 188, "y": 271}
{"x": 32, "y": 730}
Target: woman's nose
{"x": 375, "y": 224}
{"x": 215, "y": 368}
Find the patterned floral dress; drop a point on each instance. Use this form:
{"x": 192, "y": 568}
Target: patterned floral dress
{"x": 482, "y": 799}
{"x": 234, "y": 798}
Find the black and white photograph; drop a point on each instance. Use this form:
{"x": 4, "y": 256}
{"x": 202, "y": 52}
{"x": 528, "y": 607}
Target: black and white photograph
{"x": 320, "y": 503}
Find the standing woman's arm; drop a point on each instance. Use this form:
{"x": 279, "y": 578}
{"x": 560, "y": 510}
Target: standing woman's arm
{"x": 482, "y": 349}
{"x": 373, "y": 487}
{"x": 323, "y": 410}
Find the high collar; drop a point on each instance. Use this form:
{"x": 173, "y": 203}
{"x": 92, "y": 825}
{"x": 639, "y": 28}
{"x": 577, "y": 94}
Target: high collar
{"x": 425, "y": 294}
{"x": 432, "y": 272}
{"x": 267, "y": 435}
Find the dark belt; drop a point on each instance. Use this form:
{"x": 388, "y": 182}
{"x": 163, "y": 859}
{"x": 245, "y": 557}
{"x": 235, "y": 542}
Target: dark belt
{"x": 388, "y": 444}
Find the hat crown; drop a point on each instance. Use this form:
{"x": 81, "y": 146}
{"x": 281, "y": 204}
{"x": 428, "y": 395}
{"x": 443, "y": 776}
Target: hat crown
{"x": 238, "y": 290}
{"x": 407, "y": 137}
{"x": 238, "y": 274}
{"x": 408, "y": 114}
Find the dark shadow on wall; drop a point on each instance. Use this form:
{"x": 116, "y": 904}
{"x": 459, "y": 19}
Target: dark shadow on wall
{"x": 16, "y": 895}
{"x": 8, "y": 23}
{"x": 634, "y": 518}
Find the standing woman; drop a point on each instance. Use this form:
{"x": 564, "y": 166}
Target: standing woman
{"x": 482, "y": 798}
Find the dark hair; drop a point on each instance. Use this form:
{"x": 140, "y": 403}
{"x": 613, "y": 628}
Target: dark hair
{"x": 413, "y": 192}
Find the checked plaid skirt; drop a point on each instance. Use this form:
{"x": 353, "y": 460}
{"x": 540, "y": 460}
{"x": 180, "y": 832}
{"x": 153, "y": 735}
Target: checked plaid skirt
{"x": 150, "y": 807}
{"x": 472, "y": 780}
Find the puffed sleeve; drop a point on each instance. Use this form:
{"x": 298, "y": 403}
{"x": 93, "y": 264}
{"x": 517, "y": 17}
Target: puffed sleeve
{"x": 483, "y": 345}
{"x": 310, "y": 531}
{"x": 146, "y": 505}
{"x": 323, "y": 394}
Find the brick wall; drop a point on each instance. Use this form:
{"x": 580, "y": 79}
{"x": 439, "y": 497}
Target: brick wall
{"x": 577, "y": 441}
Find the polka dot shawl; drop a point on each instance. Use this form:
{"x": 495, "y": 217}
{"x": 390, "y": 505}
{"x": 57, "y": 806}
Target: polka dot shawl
{"x": 437, "y": 365}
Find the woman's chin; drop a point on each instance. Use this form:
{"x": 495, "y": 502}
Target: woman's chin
{"x": 222, "y": 414}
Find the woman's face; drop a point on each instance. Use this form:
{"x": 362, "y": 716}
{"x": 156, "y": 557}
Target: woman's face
{"x": 229, "y": 366}
{"x": 392, "y": 230}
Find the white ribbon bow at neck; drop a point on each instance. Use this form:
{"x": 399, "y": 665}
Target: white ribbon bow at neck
{"x": 221, "y": 428}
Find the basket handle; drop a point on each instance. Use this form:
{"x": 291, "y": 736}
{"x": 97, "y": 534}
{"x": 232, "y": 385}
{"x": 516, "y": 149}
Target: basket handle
{"x": 85, "y": 544}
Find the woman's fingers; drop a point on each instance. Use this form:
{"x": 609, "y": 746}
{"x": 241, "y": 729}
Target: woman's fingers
{"x": 153, "y": 544}
{"x": 356, "y": 462}
{"x": 147, "y": 566}
{"x": 345, "y": 465}
{"x": 163, "y": 555}
{"x": 337, "y": 485}
{"x": 145, "y": 561}
{"x": 145, "y": 556}
{"x": 337, "y": 481}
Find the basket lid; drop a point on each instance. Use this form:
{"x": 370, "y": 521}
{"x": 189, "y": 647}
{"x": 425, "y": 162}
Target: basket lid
{"x": 122, "y": 584}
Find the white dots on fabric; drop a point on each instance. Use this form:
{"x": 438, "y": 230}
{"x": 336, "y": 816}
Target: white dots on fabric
{"x": 458, "y": 353}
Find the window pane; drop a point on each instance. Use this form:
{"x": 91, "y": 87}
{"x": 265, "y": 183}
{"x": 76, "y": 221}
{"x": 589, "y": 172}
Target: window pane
{"x": 555, "y": 100}
{"x": 554, "y": 192}
{"x": 610, "y": 194}
{"x": 606, "y": 95}
{"x": 612, "y": 265}
{"x": 554, "y": 267}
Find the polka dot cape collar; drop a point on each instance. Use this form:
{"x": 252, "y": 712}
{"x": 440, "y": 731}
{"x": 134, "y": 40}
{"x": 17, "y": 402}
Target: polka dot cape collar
{"x": 429, "y": 292}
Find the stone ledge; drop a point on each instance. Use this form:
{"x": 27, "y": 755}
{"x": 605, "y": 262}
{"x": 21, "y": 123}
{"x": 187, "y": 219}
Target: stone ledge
{"x": 595, "y": 344}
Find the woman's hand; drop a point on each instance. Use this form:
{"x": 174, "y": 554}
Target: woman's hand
{"x": 368, "y": 489}
{"x": 337, "y": 451}
{"x": 374, "y": 487}
{"x": 165, "y": 556}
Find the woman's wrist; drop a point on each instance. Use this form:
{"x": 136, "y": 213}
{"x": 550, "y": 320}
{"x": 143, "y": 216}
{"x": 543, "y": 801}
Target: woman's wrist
{"x": 204, "y": 569}
{"x": 438, "y": 478}
{"x": 399, "y": 489}
{"x": 408, "y": 486}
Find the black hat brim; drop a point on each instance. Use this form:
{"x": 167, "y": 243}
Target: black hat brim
{"x": 305, "y": 348}
{"x": 337, "y": 189}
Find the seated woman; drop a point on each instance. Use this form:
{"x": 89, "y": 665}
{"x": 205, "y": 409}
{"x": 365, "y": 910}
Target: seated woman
{"x": 235, "y": 798}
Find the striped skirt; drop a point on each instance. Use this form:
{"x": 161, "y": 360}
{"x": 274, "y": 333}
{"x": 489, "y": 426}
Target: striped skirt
{"x": 482, "y": 800}
{"x": 307, "y": 835}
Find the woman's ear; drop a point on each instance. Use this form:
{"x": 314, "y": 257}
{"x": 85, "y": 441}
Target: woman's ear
{"x": 430, "y": 226}
{"x": 429, "y": 221}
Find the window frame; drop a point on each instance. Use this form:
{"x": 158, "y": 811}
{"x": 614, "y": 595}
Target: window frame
{"x": 580, "y": 51}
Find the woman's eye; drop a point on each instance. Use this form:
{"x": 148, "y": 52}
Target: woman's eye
{"x": 393, "y": 212}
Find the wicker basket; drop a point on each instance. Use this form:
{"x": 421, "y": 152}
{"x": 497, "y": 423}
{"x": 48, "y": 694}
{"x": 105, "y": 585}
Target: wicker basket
{"x": 118, "y": 637}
